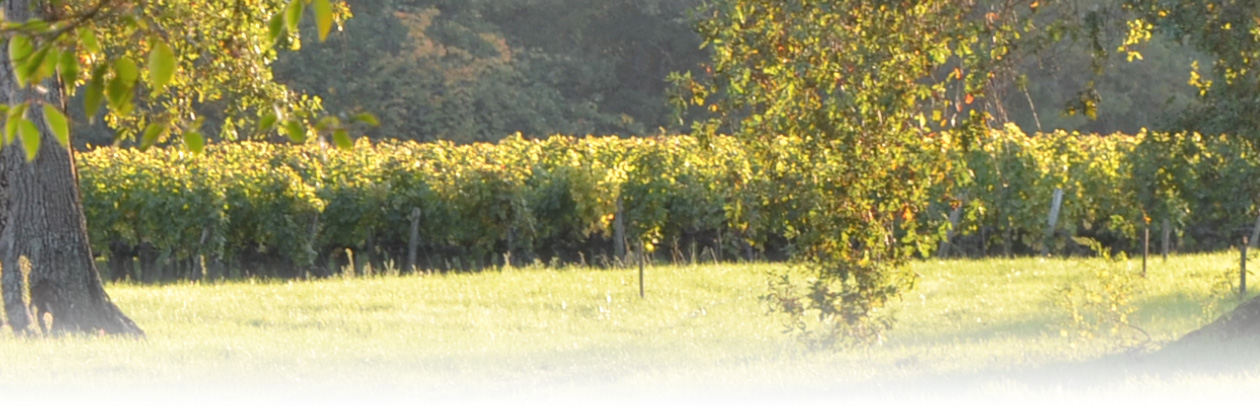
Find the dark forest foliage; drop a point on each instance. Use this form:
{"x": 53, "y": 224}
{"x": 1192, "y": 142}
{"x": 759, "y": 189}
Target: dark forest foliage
{"x": 480, "y": 70}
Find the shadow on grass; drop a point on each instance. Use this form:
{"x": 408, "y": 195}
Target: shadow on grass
{"x": 1176, "y": 373}
{"x": 1198, "y": 358}
{"x": 1027, "y": 326}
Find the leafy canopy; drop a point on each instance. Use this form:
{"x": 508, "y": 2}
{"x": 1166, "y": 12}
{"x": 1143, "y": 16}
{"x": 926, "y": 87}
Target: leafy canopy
{"x": 152, "y": 66}
{"x": 855, "y": 83}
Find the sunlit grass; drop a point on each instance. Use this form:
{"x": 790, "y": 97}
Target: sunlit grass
{"x": 970, "y": 328}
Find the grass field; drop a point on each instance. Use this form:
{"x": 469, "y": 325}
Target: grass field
{"x": 971, "y": 329}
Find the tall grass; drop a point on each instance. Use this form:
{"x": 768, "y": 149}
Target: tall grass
{"x": 970, "y": 328}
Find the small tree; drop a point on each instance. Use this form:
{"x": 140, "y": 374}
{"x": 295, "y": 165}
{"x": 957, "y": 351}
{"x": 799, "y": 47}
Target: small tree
{"x": 875, "y": 98}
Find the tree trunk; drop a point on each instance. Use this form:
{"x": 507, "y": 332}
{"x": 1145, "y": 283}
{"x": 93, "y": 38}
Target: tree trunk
{"x": 42, "y": 222}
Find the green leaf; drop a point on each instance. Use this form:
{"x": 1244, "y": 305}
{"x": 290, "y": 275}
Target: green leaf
{"x": 57, "y": 122}
{"x": 275, "y": 28}
{"x": 295, "y": 130}
{"x": 292, "y": 15}
{"x": 194, "y": 141}
{"x": 342, "y": 139}
{"x": 12, "y": 117}
{"x": 125, "y": 69}
{"x": 326, "y": 123}
{"x": 120, "y": 94}
{"x": 151, "y": 134}
{"x": 30, "y": 138}
{"x": 69, "y": 67}
{"x": 20, "y": 49}
{"x": 92, "y": 96}
{"x": 323, "y": 17}
{"x": 161, "y": 65}
{"x": 368, "y": 118}
{"x": 267, "y": 122}
{"x": 87, "y": 39}
{"x": 42, "y": 64}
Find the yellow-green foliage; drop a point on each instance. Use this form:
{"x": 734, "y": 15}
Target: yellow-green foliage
{"x": 1113, "y": 185}
{"x": 479, "y": 200}
{"x": 300, "y": 203}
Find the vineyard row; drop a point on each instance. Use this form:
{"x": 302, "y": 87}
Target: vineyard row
{"x": 283, "y": 210}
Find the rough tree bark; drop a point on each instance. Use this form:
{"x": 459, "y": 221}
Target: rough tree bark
{"x": 42, "y": 222}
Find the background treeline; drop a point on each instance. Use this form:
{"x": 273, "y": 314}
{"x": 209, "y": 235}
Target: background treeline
{"x": 281, "y": 210}
{"x": 481, "y": 70}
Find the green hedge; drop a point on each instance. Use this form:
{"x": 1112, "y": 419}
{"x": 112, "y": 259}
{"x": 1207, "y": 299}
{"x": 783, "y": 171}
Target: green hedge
{"x": 271, "y": 209}
{"x": 1207, "y": 188}
{"x": 298, "y": 207}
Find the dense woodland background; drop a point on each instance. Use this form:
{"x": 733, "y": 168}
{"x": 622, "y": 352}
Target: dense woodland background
{"x": 480, "y": 70}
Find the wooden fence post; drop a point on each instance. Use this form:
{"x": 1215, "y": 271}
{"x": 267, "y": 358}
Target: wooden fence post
{"x": 1146, "y": 246}
{"x": 1052, "y": 221}
{"x": 1255, "y": 231}
{"x": 511, "y": 239}
{"x": 413, "y": 243}
{"x": 1007, "y": 237}
{"x": 314, "y": 239}
{"x": 1166, "y": 243}
{"x": 642, "y": 257}
{"x": 717, "y": 248}
{"x": 1242, "y": 270}
{"x": 369, "y": 254}
{"x": 619, "y": 233}
{"x": 199, "y": 271}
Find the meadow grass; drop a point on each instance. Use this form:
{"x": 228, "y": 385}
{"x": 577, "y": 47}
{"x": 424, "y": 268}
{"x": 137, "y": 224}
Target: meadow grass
{"x": 983, "y": 329}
